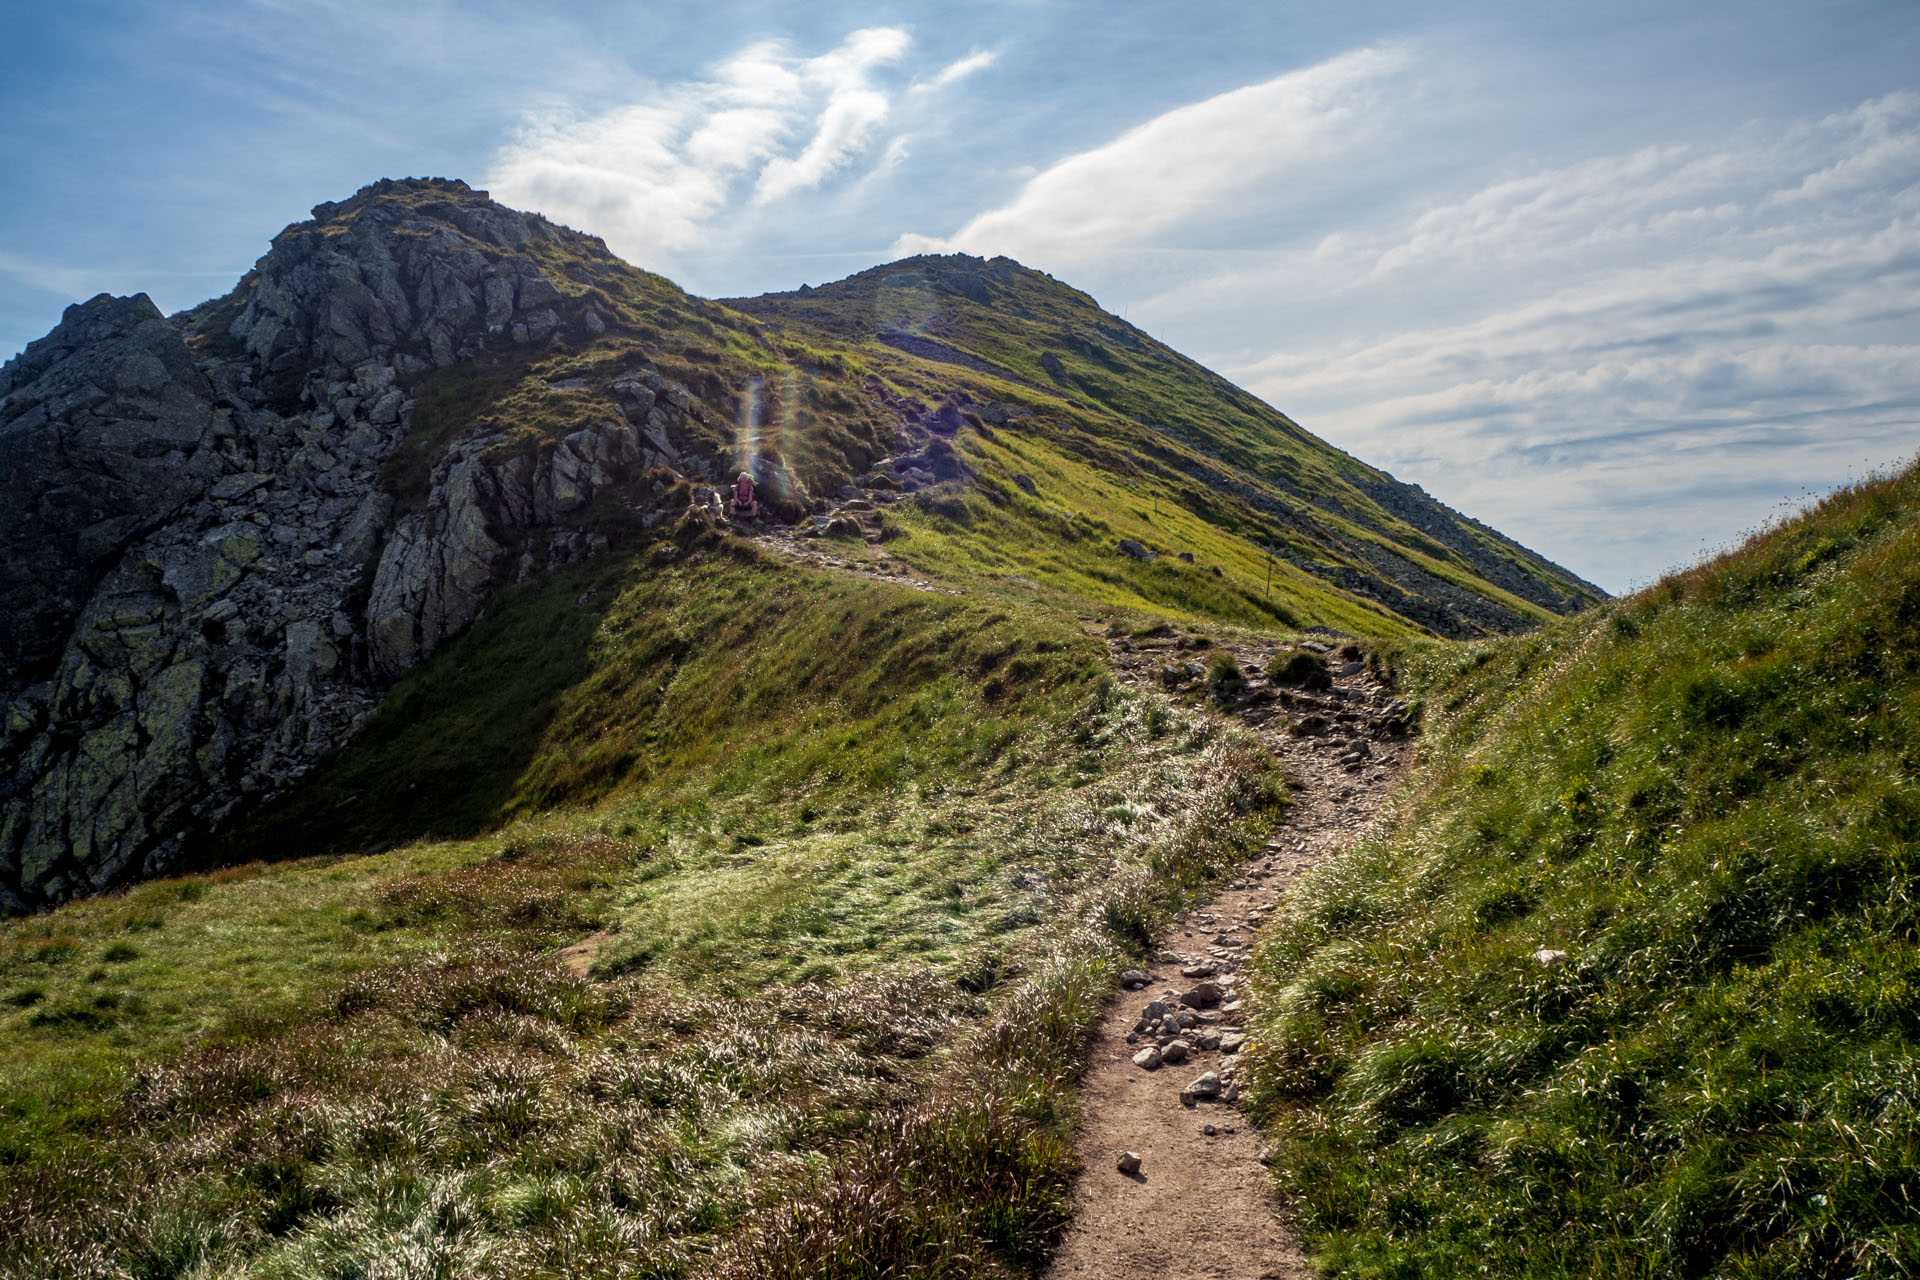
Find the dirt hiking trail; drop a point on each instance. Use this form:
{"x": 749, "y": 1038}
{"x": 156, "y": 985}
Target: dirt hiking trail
{"x": 1159, "y": 1083}
{"x": 1199, "y": 1204}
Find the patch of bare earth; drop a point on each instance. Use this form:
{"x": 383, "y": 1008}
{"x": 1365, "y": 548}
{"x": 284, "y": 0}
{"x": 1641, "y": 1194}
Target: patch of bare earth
{"x": 578, "y": 958}
{"x": 854, "y": 547}
{"x": 1200, "y": 1203}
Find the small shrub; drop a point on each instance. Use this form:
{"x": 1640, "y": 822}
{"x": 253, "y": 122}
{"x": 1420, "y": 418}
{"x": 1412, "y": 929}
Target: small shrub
{"x": 1300, "y": 667}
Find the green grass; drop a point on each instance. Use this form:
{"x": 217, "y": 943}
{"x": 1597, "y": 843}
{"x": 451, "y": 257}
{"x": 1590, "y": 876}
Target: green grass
{"x": 859, "y": 861}
{"x": 1061, "y": 546}
{"x": 735, "y": 676}
{"x": 1149, "y": 423}
{"x": 1706, "y": 797}
{"x": 851, "y": 849}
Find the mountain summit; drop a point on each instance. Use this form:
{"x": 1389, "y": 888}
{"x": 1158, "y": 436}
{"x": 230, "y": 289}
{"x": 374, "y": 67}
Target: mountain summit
{"x": 230, "y": 530}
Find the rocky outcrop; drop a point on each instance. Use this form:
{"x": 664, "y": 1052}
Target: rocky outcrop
{"x": 213, "y": 657}
{"x": 205, "y": 586}
{"x": 109, "y": 430}
{"x": 493, "y": 509}
{"x": 426, "y": 271}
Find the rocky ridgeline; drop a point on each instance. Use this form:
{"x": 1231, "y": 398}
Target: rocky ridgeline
{"x": 205, "y": 585}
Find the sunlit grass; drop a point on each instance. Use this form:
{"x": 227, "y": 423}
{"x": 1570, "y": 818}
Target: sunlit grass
{"x": 1706, "y": 799}
{"x": 834, "y": 833}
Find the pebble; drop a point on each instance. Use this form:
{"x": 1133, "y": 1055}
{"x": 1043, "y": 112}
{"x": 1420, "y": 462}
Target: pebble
{"x": 1128, "y": 1162}
{"x": 1204, "y": 1017}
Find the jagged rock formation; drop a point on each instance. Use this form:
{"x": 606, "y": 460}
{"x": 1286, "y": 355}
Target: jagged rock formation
{"x": 440, "y": 564}
{"x": 206, "y": 585}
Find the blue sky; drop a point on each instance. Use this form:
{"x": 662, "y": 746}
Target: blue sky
{"x": 1618, "y": 280}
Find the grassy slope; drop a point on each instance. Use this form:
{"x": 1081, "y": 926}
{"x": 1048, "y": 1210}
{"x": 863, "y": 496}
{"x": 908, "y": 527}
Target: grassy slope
{"x": 997, "y": 538}
{"x": 823, "y": 399}
{"x": 1106, "y": 478}
{"x": 1706, "y": 797}
{"x": 866, "y": 857}
{"x": 1296, "y": 492}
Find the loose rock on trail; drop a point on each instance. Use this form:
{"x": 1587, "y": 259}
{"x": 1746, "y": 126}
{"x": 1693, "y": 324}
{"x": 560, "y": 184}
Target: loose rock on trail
{"x": 1173, "y": 1184}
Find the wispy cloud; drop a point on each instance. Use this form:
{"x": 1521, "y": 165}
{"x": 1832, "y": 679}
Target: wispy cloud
{"x": 957, "y": 70}
{"x": 82, "y": 282}
{"x": 652, "y": 176}
{"x": 852, "y": 112}
{"x": 70, "y": 282}
{"x": 1189, "y": 161}
{"x": 1627, "y": 342}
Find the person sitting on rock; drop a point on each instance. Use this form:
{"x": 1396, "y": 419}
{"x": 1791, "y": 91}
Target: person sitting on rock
{"x": 745, "y": 501}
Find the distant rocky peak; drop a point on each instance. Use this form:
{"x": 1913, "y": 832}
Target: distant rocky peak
{"x": 206, "y": 585}
{"x": 394, "y": 191}
{"x": 417, "y": 273}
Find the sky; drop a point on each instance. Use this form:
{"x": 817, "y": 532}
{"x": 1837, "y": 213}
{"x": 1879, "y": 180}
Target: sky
{"x": 1624, "y": 280}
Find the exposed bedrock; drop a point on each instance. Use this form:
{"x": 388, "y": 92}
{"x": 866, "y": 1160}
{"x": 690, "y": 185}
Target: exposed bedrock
{"x": 205, "y": 586}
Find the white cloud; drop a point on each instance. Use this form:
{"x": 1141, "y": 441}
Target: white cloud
{"x": 1606, "y": 357}
{"x": 958, "y": 70}
{"x": 68, "y": 282}
{"x": 653, "y": 176}
{"x": 1153, "y": 178}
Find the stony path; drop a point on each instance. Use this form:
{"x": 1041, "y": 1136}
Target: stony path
{"x": 1159, "y": 1082}
{"x": 865, "y": 557}
{"x": 1199, "y": 1204}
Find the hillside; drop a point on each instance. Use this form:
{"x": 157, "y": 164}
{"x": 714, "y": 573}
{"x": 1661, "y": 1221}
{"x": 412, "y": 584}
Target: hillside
{"x": 510, "y": 868}
{"x": 1630, "y": 985}
{"x": 1118, "y": 420}
{"x": 229, "y": 531}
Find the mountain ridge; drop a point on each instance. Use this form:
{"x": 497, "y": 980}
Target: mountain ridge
{"x": 702, "y": 897}
{"x": 233, "y": 528}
